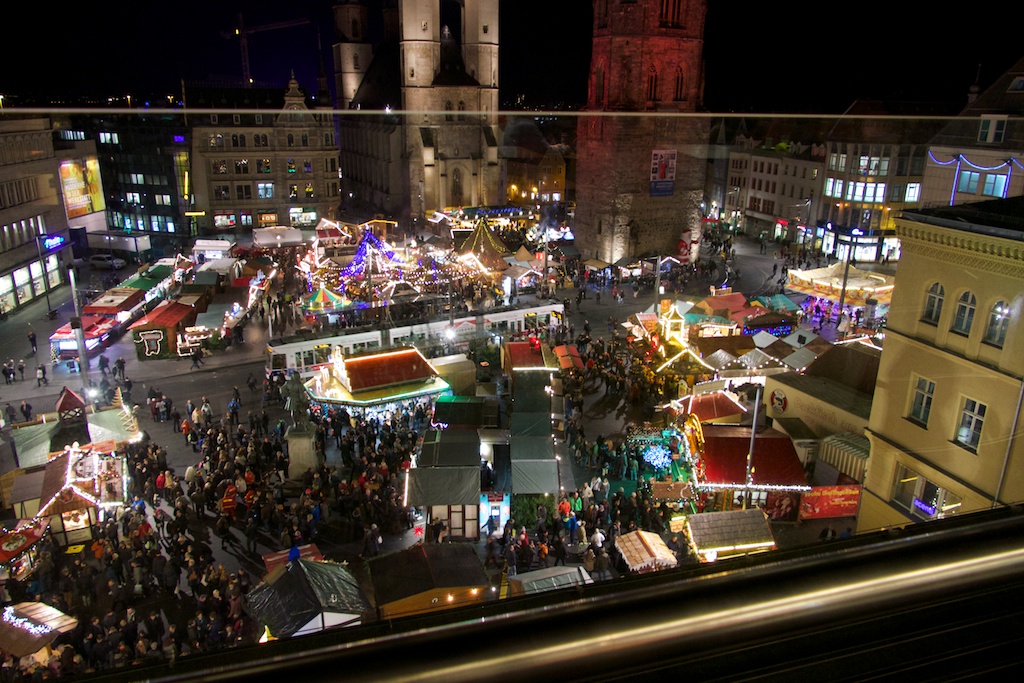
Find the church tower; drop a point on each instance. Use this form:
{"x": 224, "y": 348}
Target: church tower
{"x": 449, "y": 64}
{"x": 640, "y": 179}
{"x": 352, "y": 50}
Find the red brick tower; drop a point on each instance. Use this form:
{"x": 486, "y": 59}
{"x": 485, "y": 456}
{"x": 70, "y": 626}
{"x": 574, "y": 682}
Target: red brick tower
{"x": 640, "y": 179}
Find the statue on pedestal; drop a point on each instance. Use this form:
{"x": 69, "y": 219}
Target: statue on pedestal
{"x": 296, "y": 401}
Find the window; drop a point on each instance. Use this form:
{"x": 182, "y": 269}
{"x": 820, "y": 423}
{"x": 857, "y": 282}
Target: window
{"x": 998, "y": 321}
{"x": 933, "y": 304}
{"x": 216, "y": 140}
{"x": 221, "y": 192}
{"x": 913, "y": 192}
{"x": 263, "y": 166}
{"x": 922, "y": 498}
{"x": 995, "y": 185}
{"x": 213, "y": 119}
{"x": 992, "y": 130}
{"x": 680, "y": 94}
{"x": 462, "y": 110}
{"x": 305, "y": 140}
{"x": 293, "y": 192}
{"x": 242, "y": 166}
{"x": 968, "y": 182}
{"x": 964, "y": 314}
{"x": 219, "y": 166}
{"x": 307, "y": 166}
{"x": 309, "y": 190}
{"x": 265, "y": 190}
{"x": 291, "y": 140}
{"x": 652, "y": 85}
{"x": 921, "y": 407}
{"x": 972, "y": 418}
{"x": 140, "y": 179}
{"x": 447, "y": 109}
{"x": 259, "y": 119}
{"x": 291, "y": 165}
{"x": 243, "y": 191}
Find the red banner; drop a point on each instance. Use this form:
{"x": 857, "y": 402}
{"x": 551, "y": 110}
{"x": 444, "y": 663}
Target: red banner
{"x": 824, "y": 502}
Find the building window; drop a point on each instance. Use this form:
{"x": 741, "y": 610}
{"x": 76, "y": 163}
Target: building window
{"x": 243, "y": 191}
{"x": 291, "y": 165}
{"x": 293, "y": 192}
{"x": 992, "y": 130}
{"x": 221, "y": 192}
{"x": 448, "y": 109}
{"x": 998, "y": 321}
{"x": 307, "y": 166}
{"x": 652, "y": 85}
{"x": 242, "y": 166}
{"x": 972, "y": 417}
{"x": 968, "y": 182}
{"x": 305, "y": 140}
{"x": 933, "y": 304}
{"x": 913, "y": 192}
{"x": 216, "y": 140}
{"x": 263, "y": 166}
{"x": 309, "y": 190}
{"x": 462, "y": 110}
{"x": 922, "y": 498}
{"x": 964, "y": 314}
{"x": 219, "y": 167}
{"x": 921, "y": 407}
{"x": 265, "y": 190}
{"x": 995, "y": 185}
{"x": 680, "y": 84}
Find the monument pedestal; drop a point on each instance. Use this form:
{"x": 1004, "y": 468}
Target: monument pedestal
{"x": 301, "y": 450}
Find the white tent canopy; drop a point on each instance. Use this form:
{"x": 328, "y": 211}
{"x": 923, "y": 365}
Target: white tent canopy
{"x": 277, "y": 236}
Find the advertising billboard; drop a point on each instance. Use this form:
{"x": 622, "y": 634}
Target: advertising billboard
{"x": 80, "y": 183}
{"x": 824, "y": 502}
{"x": 663, "y": 172}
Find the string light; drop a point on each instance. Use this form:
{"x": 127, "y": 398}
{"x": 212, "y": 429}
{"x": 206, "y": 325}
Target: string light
{"x": 24, "y": 624}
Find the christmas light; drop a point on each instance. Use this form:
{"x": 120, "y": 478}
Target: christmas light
{"x": 24, "y": 624}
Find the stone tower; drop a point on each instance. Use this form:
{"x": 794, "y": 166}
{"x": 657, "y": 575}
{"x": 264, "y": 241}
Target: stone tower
{"x": 353, "y": 51}
{"x": 449, "y": 63}
{"x": 640, "y": 178}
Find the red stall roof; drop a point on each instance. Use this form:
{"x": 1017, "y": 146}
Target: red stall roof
{"x": 775, "y": 462}
{"x": 114, "y": 301}
{"x": 523, "y": 355}
{"x": 92, "y": 326}
{"x": 387, "y": 369}
{"x": 167, "y": 314}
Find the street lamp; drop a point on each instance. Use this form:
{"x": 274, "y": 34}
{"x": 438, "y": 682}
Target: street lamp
{"x": 852, "y": 233}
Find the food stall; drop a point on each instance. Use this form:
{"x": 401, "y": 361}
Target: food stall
{"x": 96, "y": 329}
{"x": 645, "y": 551}
{"x": 19, "y": 548}
{"x": 29, "y": 628}
{"x": 209, "y": 250}
{"x": 80, "y": 487}
{"x": 717, "y": 535}
{"x": 161, "y": 332}
{"x": 122, "y": 303}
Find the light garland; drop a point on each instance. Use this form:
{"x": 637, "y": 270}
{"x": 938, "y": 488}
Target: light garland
{"x": 24, "y": 624}
{"x": 657, "y": 456}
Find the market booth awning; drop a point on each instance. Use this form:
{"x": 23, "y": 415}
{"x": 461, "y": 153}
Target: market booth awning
{"x": 568, "y": 356}
{"x": 28, "y": 627}
{"x": 827, "y": 283}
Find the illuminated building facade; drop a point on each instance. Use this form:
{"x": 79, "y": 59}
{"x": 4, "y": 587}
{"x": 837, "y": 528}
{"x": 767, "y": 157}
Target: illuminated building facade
{"x": 945, "y": 426}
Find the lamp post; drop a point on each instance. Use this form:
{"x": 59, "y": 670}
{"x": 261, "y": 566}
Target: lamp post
{"x": 42, "y": 266}
{"x": 853, "y": 232}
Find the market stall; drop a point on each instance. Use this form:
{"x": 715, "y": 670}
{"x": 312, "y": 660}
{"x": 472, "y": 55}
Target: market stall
{"x": 827, "y": 283}
{"x": 374, "y": 379}
{"x": 19, "y": 548}
{"x": 645, "y": 551}
{"x": 445, "y": 480}
{"x": 81, "y": 486}
{"x": 307, "y": 596}
{"x": 717, "y": 535}
{"x": 307, "y": 551}
{"x": 210, "y": 250}
{"x": 161, "y": 332}
{"x": 122, "y": 303}
{"x": 28, "y": 629}
{"x": 97, "y": 331}
{"x": 534, "y": 467}
{"x": 551, "y": 578}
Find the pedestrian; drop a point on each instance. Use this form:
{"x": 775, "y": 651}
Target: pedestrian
{"x": 26, "y": 410}
{"x": 197, "y": 358}
{"x": 21, "y": 369}
{"x": 12, "y": 414}
{"x": 32, "y": 340}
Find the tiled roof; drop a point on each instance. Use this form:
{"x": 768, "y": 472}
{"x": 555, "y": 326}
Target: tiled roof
{"x": 387, "y": 369}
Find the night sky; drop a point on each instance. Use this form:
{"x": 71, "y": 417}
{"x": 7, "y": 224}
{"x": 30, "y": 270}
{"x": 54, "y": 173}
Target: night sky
{"x": 763, "y": 57}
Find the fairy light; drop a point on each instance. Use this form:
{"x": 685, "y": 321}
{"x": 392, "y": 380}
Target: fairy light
{"x": 24, "y": 624}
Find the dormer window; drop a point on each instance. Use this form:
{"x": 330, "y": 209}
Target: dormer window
{"x": 992, "y": 129}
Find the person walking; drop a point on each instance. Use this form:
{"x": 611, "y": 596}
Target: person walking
{"x": 197, "y": 358}
{"x": 21, "y": 368}
{"x": 26, "y": 410}
{"x": 32, "y": 340}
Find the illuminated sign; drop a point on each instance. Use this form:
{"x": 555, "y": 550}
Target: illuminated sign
{"x": 924, "y": 507}
{"x": 80, "y": 181}
{"x": 53, "y": 242}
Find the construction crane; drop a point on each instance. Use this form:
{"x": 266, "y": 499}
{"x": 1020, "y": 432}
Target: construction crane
{"x": 242, "y": 31}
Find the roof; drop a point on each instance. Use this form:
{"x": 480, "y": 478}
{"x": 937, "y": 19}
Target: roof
{"x": 829, "y": 391}
{"x": 295, "y": 593}
{"x": 522, "y": 423}
{"x": 458, "y": 411}
{"x": 995, "y": 217}
{"x": 425, "y": 567}
{"x": 455, "y": 448}
{"x": 114, "y": 301}
{"x": 392, "y": 368}
{"x": 49, "y": 622}
{"x": 731, "y": 531}
{"x": 68, "y": 400}
{"x": 736, "y": 345}
{"x": 168, "y": 314}
{"x": 711, "y": 406}
{"x": 521, "y": 355}
{"x": 551, "y": 578}
{"x": 645, "y": 551}
{"x": 774, "y": 463}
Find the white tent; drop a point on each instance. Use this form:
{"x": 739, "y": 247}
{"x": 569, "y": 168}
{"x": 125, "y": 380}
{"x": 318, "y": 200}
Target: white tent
{"x": 277, "y": 236}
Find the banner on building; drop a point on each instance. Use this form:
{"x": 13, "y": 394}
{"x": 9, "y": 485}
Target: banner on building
{"x": 80, "y": 182}
{"x": 825, "y": 502}
{"x": 663, "y": 172}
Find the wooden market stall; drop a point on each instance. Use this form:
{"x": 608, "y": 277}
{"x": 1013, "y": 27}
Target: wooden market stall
{"x": 645, "y": 551}
{"x": 717, "y": 535}
{"x": 19, "y": 549}
{"x": 29, "y": 628}
{"x": 427, "y": 578}
{"x": 161, "y": 332}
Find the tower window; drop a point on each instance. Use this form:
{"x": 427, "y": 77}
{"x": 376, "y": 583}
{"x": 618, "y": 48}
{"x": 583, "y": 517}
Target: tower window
{"x": 680, "y": 94}
{"x": 652, "y": 85}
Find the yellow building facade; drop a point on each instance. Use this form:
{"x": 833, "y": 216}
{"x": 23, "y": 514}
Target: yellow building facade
{"x": 945, "y": 429}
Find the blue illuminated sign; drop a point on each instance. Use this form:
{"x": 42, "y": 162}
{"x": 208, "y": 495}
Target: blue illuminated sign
{"x": 924, "y": 507}
{"x": 53, "y": 242}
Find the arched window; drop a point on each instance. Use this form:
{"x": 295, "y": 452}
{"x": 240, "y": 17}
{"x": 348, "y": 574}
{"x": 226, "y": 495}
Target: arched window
{"x": 680, "y": 93}
{"x": 256, "y": 140}
{"x": 291, "y": 140}
{"x": 652, "y": 85}
{"x": 305, "y": 140}
{"x": 448, "y": 108}
{"x": 462, "y": 109}
{"x": 998, "y": 321}
{"x": 964, "y": 313}
{"x": 933, "y": 304}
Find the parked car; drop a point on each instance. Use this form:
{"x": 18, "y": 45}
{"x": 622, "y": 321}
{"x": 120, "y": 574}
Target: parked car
{"x": 106, "y": 262}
